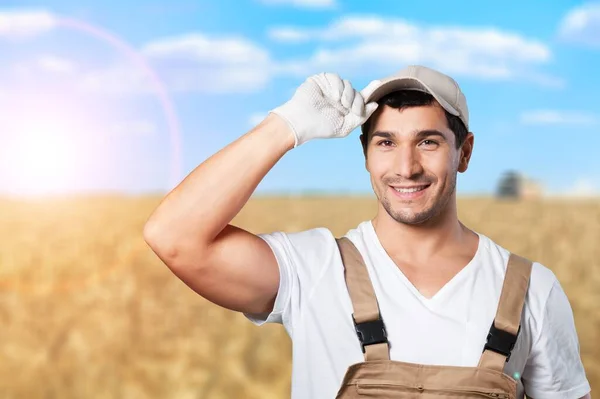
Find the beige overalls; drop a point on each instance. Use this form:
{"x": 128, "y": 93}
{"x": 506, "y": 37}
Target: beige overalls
{"x": 380, "y": 377}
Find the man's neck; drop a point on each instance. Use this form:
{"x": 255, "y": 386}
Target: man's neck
{"x": 421, "y": 242}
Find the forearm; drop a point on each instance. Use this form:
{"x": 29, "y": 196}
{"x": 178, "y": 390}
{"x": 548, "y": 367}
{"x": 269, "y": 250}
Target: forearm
{"x": 206, "y": 201}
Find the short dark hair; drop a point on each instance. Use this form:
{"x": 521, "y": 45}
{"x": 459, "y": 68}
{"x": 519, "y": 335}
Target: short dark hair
{"x": 412, "y": 98}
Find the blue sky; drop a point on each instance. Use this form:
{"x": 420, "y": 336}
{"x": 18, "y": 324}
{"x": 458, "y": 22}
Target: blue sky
{"x": 98, "y": 96}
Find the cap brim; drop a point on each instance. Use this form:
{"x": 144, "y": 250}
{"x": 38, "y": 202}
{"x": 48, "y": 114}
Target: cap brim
{"x": 408, "y": 83}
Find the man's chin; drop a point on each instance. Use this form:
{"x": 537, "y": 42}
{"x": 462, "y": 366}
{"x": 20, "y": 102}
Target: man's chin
{"x": 412, "y": 220}
{"x": 414, "y": 213}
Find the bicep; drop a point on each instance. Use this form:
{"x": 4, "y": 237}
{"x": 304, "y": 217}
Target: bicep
{"x": 554, "y": 367}
{"x": 238, "y": 271}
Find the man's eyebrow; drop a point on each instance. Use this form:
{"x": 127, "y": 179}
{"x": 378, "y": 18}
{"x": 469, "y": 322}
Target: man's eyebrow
{"x": 384, "y": 134}
{"x": 421, "y": 134}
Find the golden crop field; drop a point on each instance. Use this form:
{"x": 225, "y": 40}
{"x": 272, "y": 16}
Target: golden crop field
{"x": 88, "y": 311}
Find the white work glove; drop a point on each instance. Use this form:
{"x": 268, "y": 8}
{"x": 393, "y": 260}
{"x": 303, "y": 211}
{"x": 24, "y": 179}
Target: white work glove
{"x": 325, "y": 106}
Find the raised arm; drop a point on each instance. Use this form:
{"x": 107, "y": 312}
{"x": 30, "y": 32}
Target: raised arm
{"x": 190, "y": 230}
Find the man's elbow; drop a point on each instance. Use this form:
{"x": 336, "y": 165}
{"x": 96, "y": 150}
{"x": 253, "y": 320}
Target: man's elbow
{"x": 156, "y": 238}
{"x": 176, "y": 253}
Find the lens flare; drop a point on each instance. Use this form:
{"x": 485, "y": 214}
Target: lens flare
{"x": 158, "y": 88}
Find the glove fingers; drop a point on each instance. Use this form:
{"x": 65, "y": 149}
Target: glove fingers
{"x": 348, "y": 95}
{"x": 336, "y": 86}
{"x": 370, "y": 108}
{"x": 318, "y": 82}
{"x": 371, "y": 87}
{"x": 326, "y": 106}
{"x": 358, "y": 105}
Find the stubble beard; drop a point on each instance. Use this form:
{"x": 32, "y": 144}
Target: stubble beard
{"x": 407, "y": 216}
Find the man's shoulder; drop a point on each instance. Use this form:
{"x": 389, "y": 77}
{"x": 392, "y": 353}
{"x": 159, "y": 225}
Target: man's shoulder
{"x": 313, "y": 236}
{"x": 309, "y": 243}
{"x": 542, "y": 278}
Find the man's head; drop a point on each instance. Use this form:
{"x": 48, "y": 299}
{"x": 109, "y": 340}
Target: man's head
{"x": 417, "y": 139}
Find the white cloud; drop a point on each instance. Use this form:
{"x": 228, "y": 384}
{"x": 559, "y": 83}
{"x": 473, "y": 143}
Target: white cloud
{"x": 26, "y": 23}
{"x": 315, "y": 4}
{"x": 191, "y": 62}
{"x": 56, "y": 64}
{"x": 289, "y": 34}
{"x": 200, "y": 63}
{"x": 582, "y": 25}
{"x": 351, "y": 46}
{"x": 353, "y": 27}
{"x": 354, "y": 44}
{"x": 39, "y": 68}
{"x": 116, "y": 79}
{"x": 544, "y": 79}
{"x": 556, "y": 117}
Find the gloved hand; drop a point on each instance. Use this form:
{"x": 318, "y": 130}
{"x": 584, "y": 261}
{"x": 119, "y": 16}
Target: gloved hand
{"x": 325, "y": 106}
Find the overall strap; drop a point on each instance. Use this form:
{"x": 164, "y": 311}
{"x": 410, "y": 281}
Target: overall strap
{"x": 507, "y": 323}
{"x": 367, "y": 319}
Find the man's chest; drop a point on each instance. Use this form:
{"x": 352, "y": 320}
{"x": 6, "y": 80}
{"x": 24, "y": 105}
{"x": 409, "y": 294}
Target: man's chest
{"x": 428, "y": 277}
{"x": 447, "y": 330}
{"x": 428, "y": 281}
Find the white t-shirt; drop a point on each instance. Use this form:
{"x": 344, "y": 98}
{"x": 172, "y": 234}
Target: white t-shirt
{"x": 314, "y": 306}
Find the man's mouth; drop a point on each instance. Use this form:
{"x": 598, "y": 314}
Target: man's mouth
{"x": 409, "y": 193}
{"x": 410, "y": 189}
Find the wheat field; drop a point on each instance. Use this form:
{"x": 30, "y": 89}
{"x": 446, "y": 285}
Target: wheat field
{"x": 88, "y": 311}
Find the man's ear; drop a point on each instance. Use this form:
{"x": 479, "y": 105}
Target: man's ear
{"x": 466, "y": 151}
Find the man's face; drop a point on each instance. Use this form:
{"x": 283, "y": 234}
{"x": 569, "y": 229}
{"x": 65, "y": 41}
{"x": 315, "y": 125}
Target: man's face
{"x": 413, "y": 162}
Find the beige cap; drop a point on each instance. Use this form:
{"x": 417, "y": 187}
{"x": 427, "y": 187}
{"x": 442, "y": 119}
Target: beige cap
{"x": 442, "y": 87}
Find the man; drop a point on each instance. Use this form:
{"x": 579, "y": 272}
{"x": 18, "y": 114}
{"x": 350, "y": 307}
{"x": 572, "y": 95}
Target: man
{"x": 436, "y": 281}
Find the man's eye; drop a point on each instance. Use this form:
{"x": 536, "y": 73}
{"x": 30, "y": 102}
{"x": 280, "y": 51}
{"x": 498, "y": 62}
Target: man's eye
{"x": 430, "y": 142}
{"x": 385, "y": 142}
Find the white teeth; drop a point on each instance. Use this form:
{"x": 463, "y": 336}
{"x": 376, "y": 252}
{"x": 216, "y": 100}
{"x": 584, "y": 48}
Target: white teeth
{"x": 409, "y": 190}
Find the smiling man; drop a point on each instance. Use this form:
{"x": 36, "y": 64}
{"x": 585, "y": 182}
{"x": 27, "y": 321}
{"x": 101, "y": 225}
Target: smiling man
{"x": 412, "y": 301}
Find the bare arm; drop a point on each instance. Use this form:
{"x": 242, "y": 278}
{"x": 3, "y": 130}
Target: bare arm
{"x": 190, "y": 231}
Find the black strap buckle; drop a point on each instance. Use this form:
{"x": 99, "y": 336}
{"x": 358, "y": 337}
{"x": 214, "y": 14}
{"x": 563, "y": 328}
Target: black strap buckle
{"x": 370, "y": 332}
{"x": 501, "y": 341}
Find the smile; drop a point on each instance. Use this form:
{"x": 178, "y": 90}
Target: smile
{"x": 409, "y": 192}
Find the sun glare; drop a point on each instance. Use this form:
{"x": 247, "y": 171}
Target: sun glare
{"x": 42, "y": 158}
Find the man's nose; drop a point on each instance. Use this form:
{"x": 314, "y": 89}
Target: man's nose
{"x": 407, "y": 163}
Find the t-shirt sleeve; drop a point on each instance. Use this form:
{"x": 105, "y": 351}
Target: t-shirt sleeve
{"x": 279, "y": 244}
{"x": 302, "y": 258}
{"x": 554, "y": 369}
